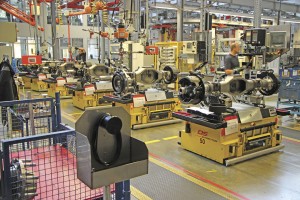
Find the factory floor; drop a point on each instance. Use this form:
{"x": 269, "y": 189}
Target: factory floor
{"x": 175, "y": 173}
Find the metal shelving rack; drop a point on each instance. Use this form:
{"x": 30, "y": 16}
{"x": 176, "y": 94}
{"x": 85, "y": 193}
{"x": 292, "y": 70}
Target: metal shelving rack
{"x": 289, "y": 92}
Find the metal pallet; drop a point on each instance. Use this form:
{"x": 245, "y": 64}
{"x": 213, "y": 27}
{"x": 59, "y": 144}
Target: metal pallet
{"x": 289, "y": 92}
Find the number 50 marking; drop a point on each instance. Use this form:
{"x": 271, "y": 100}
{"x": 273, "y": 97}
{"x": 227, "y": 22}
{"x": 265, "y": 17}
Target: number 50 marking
{"x": 202, "y": 141}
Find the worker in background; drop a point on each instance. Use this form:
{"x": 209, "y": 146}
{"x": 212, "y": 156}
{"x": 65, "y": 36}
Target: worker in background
{"x": 231, "y": 60}
{"x": 81, "y": 54}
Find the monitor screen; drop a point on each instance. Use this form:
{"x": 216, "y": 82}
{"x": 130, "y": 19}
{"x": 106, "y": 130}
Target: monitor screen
{"x": 248, "y": 36}
{"x": 254, "y": 36}
{"x": 278, "y": 39}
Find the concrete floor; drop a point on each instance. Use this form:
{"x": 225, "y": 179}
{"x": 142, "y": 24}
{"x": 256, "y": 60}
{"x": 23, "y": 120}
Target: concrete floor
{"x": 274, "y": 176}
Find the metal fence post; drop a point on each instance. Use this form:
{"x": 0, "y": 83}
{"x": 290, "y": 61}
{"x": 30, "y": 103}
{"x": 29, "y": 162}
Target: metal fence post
{"x": 119, "y": 191}
{"x": 7, "y": 189}
{"x": 9, "y": 123}
{"x": 53, "y": 115}
{"x": 106, "y": 193}
{"x": 122, "y": 190}
{"x": 126, "y": 185}
{"x": 1, "y": 114}
{"x": 31, "y": 117}
{"x": 58, "y": 108}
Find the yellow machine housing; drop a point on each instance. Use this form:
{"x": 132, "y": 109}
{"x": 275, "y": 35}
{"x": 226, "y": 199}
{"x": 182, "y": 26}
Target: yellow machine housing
{"x": 38, "y": 85}
{"x": 151, "y": 113}
{"x": 83, "y": 101}
{"x": 63, "y": 91}
{"x": 163, "y": 59}
{"x": 27, "y": 82}
{"x": 53, "y": 87}
{"x": 255, "y": 137}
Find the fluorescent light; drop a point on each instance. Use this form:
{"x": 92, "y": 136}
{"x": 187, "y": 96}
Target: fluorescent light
{"x": 291, "y": 21}
{"x": 165, "y": 8}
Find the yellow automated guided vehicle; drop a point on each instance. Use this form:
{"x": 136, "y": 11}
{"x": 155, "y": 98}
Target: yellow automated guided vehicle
{"x": 229, "y": 132}
{"x": 145, "y": 96}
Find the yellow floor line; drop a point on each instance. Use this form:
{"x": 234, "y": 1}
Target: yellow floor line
{"x": 292, "y": 139}
{"x": 211, "y": 171}
{"x": 66, "y": 114}
{"x": 138, "y": 194}
{"x": 76, "y": 113}
{"x": 170, "y": 138}
{"x": 152, "y": 141}
{"x": 68, "y": 117}
{"x": 192, "y": 179}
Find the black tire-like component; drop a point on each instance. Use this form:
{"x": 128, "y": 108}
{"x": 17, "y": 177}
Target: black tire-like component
{"x": 119, "y": 82}
{"x": 194, "y": 92}
{"x": 276, "y": 83}
{"x": 173, "y": 74}
{"x": 113, "y": 126}
{"x": 111, "y": 123}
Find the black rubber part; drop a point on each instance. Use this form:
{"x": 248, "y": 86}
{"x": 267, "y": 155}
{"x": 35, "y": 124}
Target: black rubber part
{"x": 113, "y": 126}
{"x": 192, "y": 97}
{"x": 276, "y": 84}
{"x": 119, "y": 88}
{"x": 173, "y": 76}
{"x": 217, "y": 108}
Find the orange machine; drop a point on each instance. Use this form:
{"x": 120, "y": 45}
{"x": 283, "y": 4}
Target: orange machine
{"x": 121, "y": 33}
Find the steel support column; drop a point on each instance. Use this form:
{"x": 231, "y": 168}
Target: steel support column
{"x": 137, "y": 18}
{"x": 102, "y": 39}
{"x": 36, "y": 31}
{"x": 203, "y": 4}
{"x": 147, "y": 21}
{"x": 257, "y": 13}
{"x": 279, "y": 14}
{"x": 204, "y": 26}
{"x": 55, "y": 46}
{"x": 180, "y": 20}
